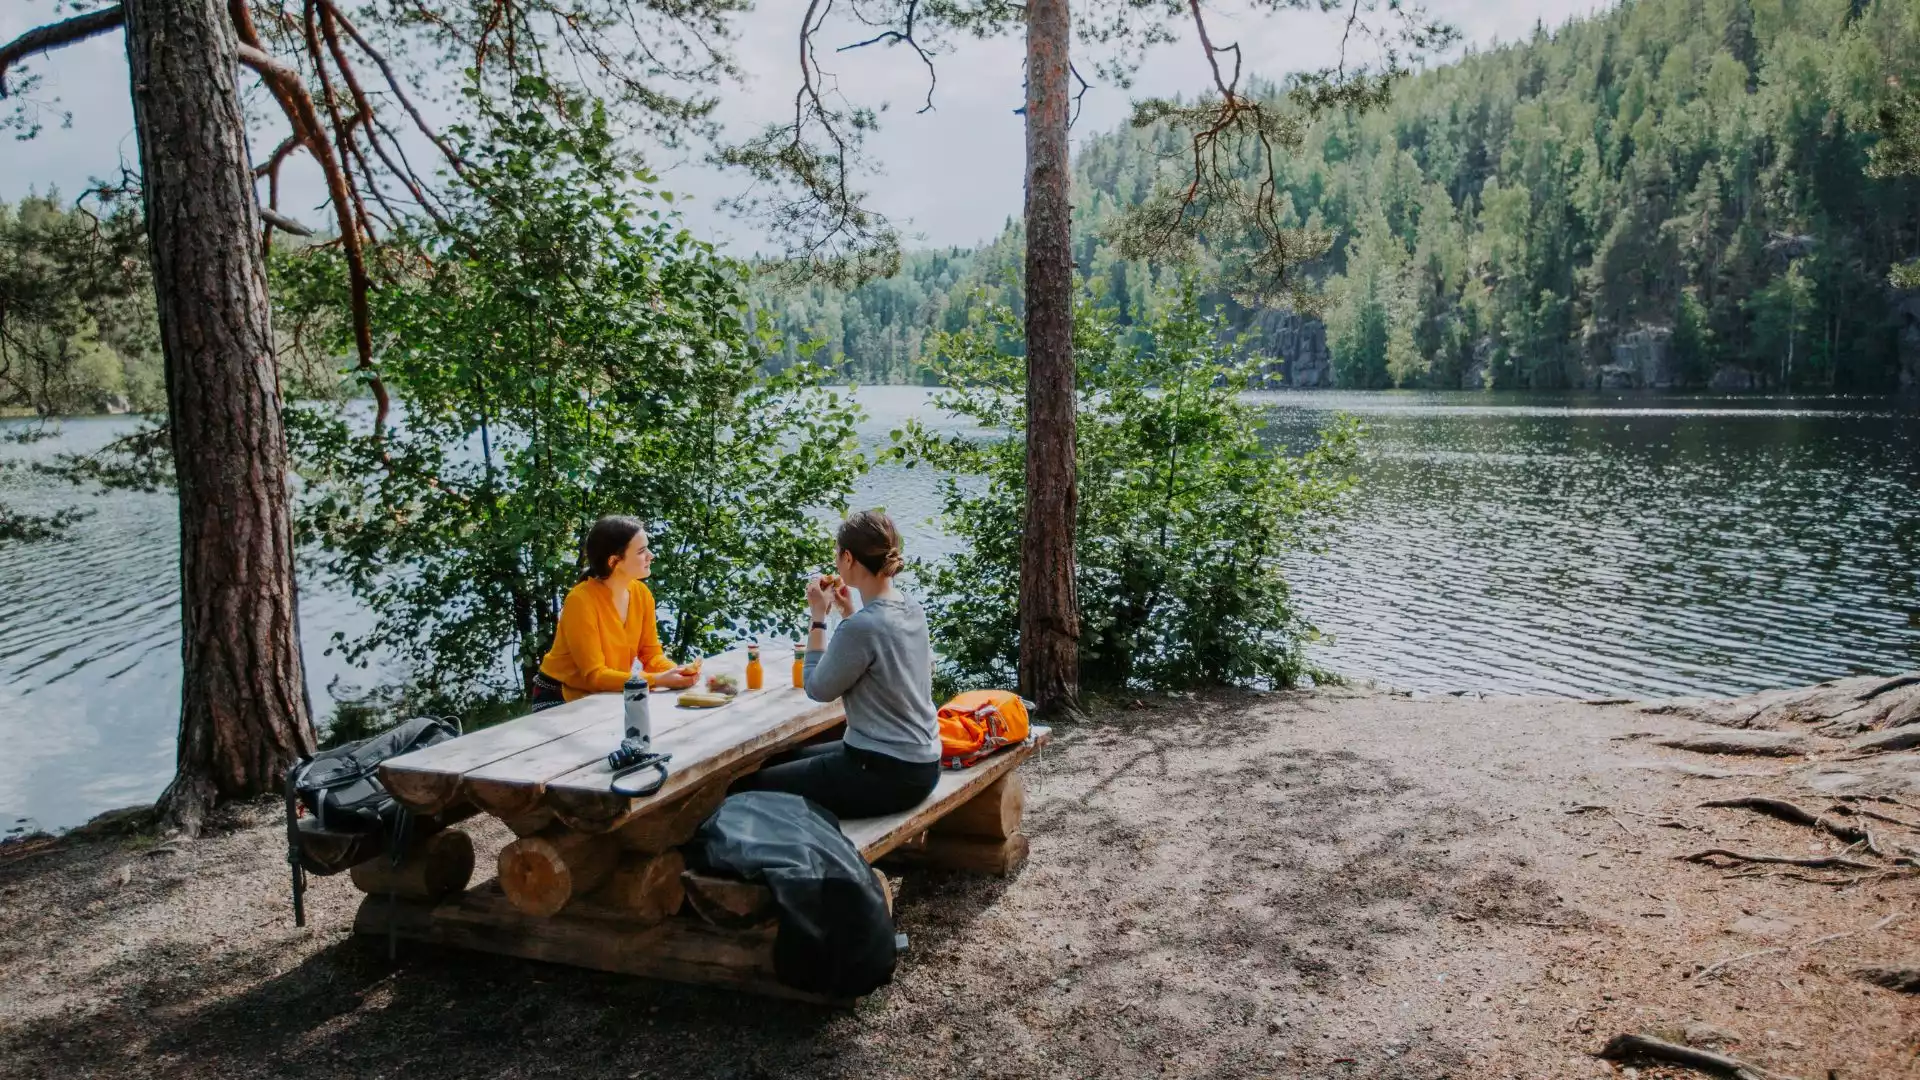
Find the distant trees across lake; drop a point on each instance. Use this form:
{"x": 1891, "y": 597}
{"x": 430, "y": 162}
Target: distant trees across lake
{"x": 1673, "y": 193}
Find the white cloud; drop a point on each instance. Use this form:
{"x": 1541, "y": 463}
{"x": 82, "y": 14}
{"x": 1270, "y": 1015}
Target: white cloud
{"x": 952, "y": 176}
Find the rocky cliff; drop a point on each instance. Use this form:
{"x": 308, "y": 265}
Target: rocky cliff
{"x": 1295, "y": 347}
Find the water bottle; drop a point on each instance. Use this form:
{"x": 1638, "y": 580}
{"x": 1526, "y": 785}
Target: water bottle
{"x": 638, "y": 720}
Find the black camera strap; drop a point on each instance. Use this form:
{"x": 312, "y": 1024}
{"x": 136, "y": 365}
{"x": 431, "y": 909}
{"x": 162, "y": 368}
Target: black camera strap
{"x": 640, "y": 764}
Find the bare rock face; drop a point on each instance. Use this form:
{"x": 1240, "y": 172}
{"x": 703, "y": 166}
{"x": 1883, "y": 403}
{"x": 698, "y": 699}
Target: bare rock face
{"x": 1478, "y": 375}
{"x": 1889, "y": 775}
{"x": 1761, "y": 743}
{"x": 1732, "y": 377}
{"x": 1298, "y": 346}
{"x": 1642, "y": 357}
{"x": 1838, "y": 708}
{"x": 1906, "y": 313}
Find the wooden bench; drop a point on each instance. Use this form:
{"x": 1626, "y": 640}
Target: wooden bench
{"x": 596, "y": 879}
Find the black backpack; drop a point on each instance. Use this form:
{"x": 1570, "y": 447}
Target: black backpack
{"x": 342, "y": 793}
{"x": 341, "y": 787}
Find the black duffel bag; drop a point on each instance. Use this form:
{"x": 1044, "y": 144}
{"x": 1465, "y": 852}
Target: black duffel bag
{"x": 342, "y": 793}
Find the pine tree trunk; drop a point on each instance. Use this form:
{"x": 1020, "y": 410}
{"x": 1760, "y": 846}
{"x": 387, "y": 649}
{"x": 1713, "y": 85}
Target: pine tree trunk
{"x": 243, "y": 714}
{"x": 1049, "y": 610}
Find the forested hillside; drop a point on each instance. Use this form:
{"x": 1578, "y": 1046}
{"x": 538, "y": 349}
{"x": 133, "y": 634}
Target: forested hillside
{"x": 1674, "y": 193}
{"x": 77, "y": 330}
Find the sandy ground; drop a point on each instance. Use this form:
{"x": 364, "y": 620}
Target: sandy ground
{"x": 1338, "y": 883}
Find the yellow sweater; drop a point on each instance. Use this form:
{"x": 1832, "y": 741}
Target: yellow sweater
{"x": 593, "y": 651}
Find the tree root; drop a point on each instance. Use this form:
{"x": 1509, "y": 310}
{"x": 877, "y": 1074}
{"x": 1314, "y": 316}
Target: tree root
{"x": 1625, "y": 1047}
{"x": 1894, "y": 683}
{"x": 186, "y": 804}
{"x": 1816, "y": 862}
{"x": 1861, "y": 811}
{"x": 1790, "y": 812}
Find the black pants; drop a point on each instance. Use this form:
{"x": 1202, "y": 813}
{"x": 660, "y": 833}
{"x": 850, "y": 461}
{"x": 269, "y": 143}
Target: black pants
{"x": 546, "y": 693}
{"x": 851, "y": 782}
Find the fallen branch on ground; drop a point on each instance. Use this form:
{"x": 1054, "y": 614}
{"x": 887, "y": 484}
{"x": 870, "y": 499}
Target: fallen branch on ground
{"x": 1797, "y": 815}
{"x": 1607, "y": 810}
{"x": 1815, "y": 862}
{"x": 1622, "y": 1047}
{"x": 1881, "y": 925}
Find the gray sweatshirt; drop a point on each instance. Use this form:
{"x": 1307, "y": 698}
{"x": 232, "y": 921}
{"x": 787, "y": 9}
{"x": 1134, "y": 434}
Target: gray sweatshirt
{"x": 881, "y": 662}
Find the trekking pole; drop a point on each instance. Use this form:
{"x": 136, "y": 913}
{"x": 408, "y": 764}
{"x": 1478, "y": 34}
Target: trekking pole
{"x": 293, "y": 849}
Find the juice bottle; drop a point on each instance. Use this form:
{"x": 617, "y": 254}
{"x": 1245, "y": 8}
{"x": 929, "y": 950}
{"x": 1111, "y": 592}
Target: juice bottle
{"x": 756, "y": 675}
{"x": 799, "y": 666}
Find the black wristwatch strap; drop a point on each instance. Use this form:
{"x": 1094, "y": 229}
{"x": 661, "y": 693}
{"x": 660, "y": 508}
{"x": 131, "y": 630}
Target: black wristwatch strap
{"x": 818, "y": 625}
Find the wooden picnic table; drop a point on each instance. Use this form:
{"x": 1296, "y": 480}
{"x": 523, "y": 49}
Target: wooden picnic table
{"x": 596, "y": 879}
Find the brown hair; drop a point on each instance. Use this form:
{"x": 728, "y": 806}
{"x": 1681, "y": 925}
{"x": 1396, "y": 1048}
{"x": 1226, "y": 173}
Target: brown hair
{"x": 869, "y": 536}
{"x": 608, "y": 539}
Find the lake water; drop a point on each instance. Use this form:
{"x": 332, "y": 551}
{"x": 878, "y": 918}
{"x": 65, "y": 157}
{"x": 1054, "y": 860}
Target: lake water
{"x": 1572, "y": 545}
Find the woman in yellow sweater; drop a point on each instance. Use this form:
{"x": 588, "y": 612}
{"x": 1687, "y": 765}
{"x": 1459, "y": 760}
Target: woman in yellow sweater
{"x": 607, "y": 623}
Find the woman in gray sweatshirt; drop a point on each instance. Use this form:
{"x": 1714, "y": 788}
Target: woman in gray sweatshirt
{"x": 881, "y": 663}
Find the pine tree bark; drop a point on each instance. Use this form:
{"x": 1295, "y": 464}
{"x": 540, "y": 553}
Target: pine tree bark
{"x": 243, "y": 712}
{"x": 1049, "y": 609}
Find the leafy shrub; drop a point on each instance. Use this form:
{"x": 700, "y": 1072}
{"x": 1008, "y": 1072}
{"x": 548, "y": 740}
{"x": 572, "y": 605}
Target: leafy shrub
{"x": 560, "y": 350}
{"x": 1185, "y": 513}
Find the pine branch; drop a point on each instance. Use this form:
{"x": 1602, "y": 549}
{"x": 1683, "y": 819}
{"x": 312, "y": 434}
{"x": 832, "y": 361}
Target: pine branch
{"x": 57, "y": 35}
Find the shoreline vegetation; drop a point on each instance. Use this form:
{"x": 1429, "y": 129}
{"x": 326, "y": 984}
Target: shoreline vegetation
{"x": 1401, "y": 885}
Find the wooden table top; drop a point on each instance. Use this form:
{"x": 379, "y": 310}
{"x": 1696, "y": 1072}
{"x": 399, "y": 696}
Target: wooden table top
{"x": 556, "y": 760}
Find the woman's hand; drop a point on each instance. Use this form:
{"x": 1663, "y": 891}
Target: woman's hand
{"x": 843, "y": 600}
{"x": 679, "y": 678}
{"x": 819, "y": 597}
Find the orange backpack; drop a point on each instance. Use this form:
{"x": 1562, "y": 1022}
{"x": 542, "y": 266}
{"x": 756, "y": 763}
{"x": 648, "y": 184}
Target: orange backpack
{"x": 979, "y": 722}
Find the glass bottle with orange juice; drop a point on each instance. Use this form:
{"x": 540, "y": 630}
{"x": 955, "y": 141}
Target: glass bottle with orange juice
{"x": 799, "y": 665}
{"x": 756, "y": 675}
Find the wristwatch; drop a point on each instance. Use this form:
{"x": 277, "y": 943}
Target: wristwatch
{"x": 818, "y": 625}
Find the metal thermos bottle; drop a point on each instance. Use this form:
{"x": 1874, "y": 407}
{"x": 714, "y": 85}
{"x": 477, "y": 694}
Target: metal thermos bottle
{"x": 638, "y": 719}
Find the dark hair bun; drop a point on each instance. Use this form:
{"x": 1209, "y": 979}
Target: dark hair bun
{"x": 869, "y": 536}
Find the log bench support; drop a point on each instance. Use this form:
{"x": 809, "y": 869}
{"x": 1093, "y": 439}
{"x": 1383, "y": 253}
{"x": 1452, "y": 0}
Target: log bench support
{"x": 434, "y": 866}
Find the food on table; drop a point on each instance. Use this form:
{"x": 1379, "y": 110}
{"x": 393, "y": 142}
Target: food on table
{"x": 723, "y": 684}
{"x": 700, "y": 699}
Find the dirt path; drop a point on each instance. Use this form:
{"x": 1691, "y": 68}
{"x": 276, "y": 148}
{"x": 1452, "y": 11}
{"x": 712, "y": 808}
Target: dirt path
{"x": 1326, "y": 884}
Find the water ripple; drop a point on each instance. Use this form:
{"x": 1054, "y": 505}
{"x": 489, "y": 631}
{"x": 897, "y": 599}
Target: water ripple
{"x": 1580, "y": 545}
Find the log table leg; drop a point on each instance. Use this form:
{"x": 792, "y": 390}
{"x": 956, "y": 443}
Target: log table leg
{"x": 671, "y": 826}
{"x": 727, "y": 902}
{"x": 542, "y": 874}
{"x": 643, "y": 889}
{"x": 438, "y": 865}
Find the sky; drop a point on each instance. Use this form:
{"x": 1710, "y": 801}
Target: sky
{"x": 951, "y": 177}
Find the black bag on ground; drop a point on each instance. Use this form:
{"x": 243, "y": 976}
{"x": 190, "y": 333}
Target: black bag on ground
{"x": 341, "y": 787}
{"x": 836, "y": 935}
